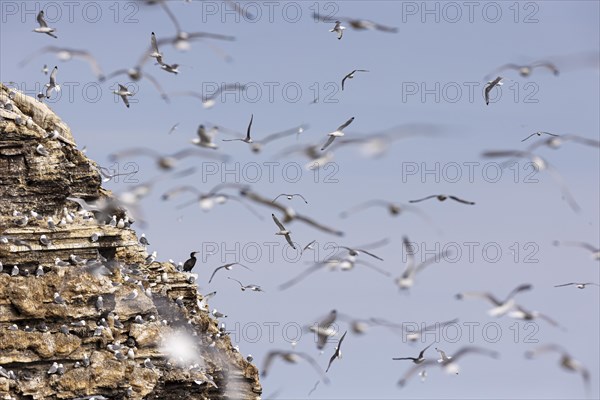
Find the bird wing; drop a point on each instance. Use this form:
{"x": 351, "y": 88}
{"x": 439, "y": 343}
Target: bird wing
{"x": 301, "y": 276}
{"x": 289, "y": 240}
{"x": 269, "y": 360}
{"x": 53, "y": 76}
{"x": 440, "y": 324}
{"x": 474, "y": 349}
{"x": 546, "y": 64}
{"x": 481, "y": 295}
{"x": 410, "y": 253}
{"x": 362, "y": 206}
{"x": 204, "y": 136}
{"x": 41, "y": 20}
{"x": 249, "y": 126}
{"x": 154, "y": 44}
{"x": 341, "y": 340}
{"x": 521, "y": 288}
{"x": 134, "y": 151}
{"x": 424, "y": 350}
{"x": 500, "y": 69}
{"x": 584, "y": 245}
{"x": 279, "y": 224}
{"x": 370, "y": 254}
{"x": 489, "y": 87}
{"x": 315, "y": 365}
{"x": 117, "y": 73}
{"x": 329, "y": 141}
{"x": 495, "y": 82}
{"x": 336, "y": 353}
{"x": 548, "y": 319}
{"x": 43, "y": 50}
{"x": 581, "y": 140}
{"x": 319, "y": 226}
{"x": 405, "y": 358}
{"x": 566, "y": 284}
{"x": 247, "y": 206}
{"x": 170, "y": 14}
{"x": 545, "y": 349}
{"x": 431, "y": 260}
{"x": 384, "y": 28}
{"x": 157, "y": 85}
{"x": 196, "y": 152}
{"x": 505, "y": 153}
{"x": 533, "y": 134}
{"x": 241, "y": 265}
{"x": 322, "y": 18}
{"x": 214, "y": 272}
{"x": 221, "y": 88}
{"x": 331, "y": 359}
{"x": 233, "y": 279}
{"x": 90, "y": 59}
{"x": 202, "y": 35}
{"x": 423, "y": 199}
{"x": 346, "y": 77}
{"x": 308, "y": 245}
{"x": 261, "y": 200}
{"x": 373, "y": 267}
{"x": 287, "y": 132}
{"x": 125, "y": 100}
{"x": 345, "y": 124}
{"x": 329, "y": 319}
{"x": 189, "y": 93}
{"x": 442, "y": 354}
{"x": 180, "y": 189}
{"x": 461, "y": 200}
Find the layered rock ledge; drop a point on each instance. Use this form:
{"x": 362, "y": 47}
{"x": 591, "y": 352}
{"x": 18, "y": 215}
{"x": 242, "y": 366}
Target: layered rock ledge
{"x": 103, "y": 342}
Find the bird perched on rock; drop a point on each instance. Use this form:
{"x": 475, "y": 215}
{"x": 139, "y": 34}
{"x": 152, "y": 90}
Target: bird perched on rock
{"x": 190, "y": 262}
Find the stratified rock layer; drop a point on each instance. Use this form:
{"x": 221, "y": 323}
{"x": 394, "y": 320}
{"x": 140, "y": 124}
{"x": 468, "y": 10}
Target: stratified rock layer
{"x": 36, "y": 331}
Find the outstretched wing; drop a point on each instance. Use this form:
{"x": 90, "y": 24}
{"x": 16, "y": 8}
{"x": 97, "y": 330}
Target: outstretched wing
{"x": 41, "y": 20}
{"x": 461, "y": 200}
{"x": 345, "y": 124}
{"x": 154, "y": 44}
{"x": 289, "y": 240}
{"x": 423, "y": 199}
{"x": 279, "y": 224}
{"x": 328, "y": 143}
{"x": 249, "y": 126}
{"x": 214, "y": 272}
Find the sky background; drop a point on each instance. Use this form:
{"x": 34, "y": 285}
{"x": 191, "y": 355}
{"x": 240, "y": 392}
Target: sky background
{"x": 436, "y": 50}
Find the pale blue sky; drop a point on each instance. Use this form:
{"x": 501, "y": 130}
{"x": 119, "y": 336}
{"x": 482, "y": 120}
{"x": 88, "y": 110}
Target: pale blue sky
{"x": 305, "y": 54}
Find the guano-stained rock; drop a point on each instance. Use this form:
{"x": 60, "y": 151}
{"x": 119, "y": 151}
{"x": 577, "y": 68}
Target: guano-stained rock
{"x": 102, "y": 351}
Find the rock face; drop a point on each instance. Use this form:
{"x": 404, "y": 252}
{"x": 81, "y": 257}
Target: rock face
{"x": 163, "y": 344}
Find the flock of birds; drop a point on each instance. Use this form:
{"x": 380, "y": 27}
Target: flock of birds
{"x": 205, "y": 147}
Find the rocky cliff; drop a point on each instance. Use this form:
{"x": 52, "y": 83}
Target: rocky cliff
{"x": 83, "y": 311}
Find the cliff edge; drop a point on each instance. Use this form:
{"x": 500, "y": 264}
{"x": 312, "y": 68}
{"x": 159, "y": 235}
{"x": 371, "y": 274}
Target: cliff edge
{"x": 83, "y": 311}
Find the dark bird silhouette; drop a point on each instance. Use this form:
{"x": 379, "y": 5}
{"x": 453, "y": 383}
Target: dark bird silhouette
{"x": 442, "y": 197}
{"x": 338, "y": 353}
{"x": 191, "y": 262}
{"x": 416, "y": 360}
